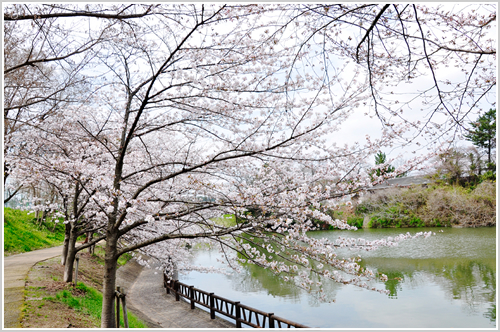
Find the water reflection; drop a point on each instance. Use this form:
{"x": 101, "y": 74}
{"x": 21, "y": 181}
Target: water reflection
{"x": 491, "y": 313}
{"x": 469, "y": 280}
{"x": 445, "y": 281}
{"x": 256, "y": 279}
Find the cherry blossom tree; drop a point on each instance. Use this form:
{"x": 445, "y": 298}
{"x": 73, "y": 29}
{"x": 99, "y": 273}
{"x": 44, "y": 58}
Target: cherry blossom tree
{"x": 56, "y": 153}
{"x": 43, "y": 63}
{"x": 206, "y": 110}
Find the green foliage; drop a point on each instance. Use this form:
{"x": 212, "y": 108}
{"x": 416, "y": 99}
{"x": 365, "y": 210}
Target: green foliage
{"x": 226, "y": 220}
{"x": 99, "y": 254}
{"x": 381, "y": 158}
{"x": 362, "y": 208}
{"x": 488, "y": 176}
{"x": 68, "y": 299}
{"x": 395, "y": 216}
{"x": 21, "y": 234}
{"x": 355, "y": 221}
{"x": 91, "y": 304}
{"x": 483, "y": 134}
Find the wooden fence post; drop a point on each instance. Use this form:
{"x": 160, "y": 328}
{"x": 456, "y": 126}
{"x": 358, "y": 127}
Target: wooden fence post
{"x": 76, "y": 268}
{"x": 125, "y": 316}
{"x": 176, "y": 289}
{"x": 238, "y": 314}
{"x": 117, "y": 306}
{"x": 271, "y": 321}
{"x": 212, "y": 306}
{"x": 191, "y": 296}
{"x": 167, "y": 282}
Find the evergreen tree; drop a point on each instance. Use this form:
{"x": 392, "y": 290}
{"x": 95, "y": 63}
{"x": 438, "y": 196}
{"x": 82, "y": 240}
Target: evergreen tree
{"x": 483, "y": 134}
{"x": 381, "y": 158}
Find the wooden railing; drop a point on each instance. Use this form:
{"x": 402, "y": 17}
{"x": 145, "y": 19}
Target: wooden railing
{"x": 242, "y": 314}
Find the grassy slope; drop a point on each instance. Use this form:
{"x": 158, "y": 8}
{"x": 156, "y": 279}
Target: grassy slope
{"x": 22, "y": 235}
{"x": 52, "y": 303}
{"x": 90, "y": 303}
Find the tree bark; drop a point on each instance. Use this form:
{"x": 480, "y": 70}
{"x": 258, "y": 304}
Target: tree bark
{"x": 66, "y": 243}
{"x": 90, "y": 235}
{"x": 489, "y": 157}
{"x": 109, "y": 281}
{"x": 70, "y": 257}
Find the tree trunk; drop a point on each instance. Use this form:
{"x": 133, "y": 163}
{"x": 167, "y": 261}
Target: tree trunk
{"x": 65, "y": 244}
{"x": 109, "y": 282}
{"x": 90, "y": 235}
{"x": 489, "y": 157}
{"x": 70, "y": 257}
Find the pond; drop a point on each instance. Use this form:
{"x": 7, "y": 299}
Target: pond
{"x": 445, "y": 281}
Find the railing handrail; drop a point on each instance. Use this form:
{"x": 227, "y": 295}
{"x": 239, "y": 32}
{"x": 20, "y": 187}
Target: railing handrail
{"x": 235, "y": 310}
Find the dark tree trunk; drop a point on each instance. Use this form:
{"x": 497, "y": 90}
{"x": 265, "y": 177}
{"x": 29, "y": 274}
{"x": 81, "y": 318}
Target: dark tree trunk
{"x": 489, "y": 157}
{"x": 70, "y": 256}
{"x": 109, "y": 281}
{"x": 90, "y": 235}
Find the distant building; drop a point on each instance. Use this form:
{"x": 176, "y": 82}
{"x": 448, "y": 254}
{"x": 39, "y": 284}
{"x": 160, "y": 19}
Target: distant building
{"x": 404, "y": 182}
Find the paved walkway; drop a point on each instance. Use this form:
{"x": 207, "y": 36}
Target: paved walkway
{"x": 15, "y": 271}
{"x": 146, "y": 297}
{"x": 148, "y": 300}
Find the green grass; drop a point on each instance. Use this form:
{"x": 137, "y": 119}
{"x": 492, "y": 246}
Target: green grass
{"x": 22, "y": 235}
{"x": 91, "y": 304}
{"x": 226, "y": 220}
{"x": 123, "y": 259}
{"x": 99, "y": 252}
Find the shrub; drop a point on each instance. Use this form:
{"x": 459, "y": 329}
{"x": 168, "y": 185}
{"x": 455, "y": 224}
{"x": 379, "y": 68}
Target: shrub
{"x": 440, "y": 205}
{"x": 455, "y": 206}
{"x": 355, "y": 221}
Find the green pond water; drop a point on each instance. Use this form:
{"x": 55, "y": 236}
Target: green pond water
{"x": 445, "y": 281}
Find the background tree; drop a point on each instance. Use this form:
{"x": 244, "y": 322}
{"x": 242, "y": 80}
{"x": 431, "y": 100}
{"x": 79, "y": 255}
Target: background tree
{"x": 56, "y": 154}
{"x": 483, "y": 135}
{"x": 43, "y": 64}
{"x": 452, "y": 164}
{"x": 459, "y": 165}
{"x": 384, "y": 169}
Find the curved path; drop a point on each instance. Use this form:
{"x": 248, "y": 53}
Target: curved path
{"x": 146, "y": 297}
{"x": 15, "y": 272}
{"x": 148, "y": 300}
